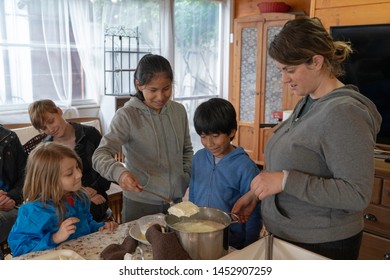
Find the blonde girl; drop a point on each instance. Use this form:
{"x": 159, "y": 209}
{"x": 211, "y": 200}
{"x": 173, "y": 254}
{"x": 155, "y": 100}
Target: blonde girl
{"x": 56, "y": 205}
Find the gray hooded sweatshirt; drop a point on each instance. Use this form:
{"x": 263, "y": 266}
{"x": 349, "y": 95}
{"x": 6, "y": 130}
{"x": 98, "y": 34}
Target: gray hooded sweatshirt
{"x": 157, "y": 149}
{"x": 329, "y": 153}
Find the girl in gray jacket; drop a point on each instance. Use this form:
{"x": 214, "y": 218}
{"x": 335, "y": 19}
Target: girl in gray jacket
{"x": 153, "y": 133}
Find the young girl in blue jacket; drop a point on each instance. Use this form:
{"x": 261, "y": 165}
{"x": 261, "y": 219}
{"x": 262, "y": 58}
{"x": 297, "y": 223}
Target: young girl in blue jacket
{"x": 56, "y": 205}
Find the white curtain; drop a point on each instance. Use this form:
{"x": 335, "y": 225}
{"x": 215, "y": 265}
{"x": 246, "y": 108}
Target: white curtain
{"x": 58, "y": 49}
{"x": 167, "y": 40}
{"x": 144, "y": 14}
{"x": 56, "y": 32}
{"x": 89, "y": 22}
{"x": 88, "y": 32}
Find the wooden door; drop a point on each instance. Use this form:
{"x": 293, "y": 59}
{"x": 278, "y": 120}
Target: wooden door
{"x": 257, "y": 89}
{"x": 247, "y": 54}
{"x": 274, "y": 95}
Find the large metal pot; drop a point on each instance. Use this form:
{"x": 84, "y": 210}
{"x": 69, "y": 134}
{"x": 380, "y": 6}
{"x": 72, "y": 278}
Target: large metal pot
{"x": 203, "y": 245}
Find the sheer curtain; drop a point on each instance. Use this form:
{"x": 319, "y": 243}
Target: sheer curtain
{"x": 144, "y": 14}
{"x": 91, "y": 18}
{"x": 167, "y": 40}
{"x": 88, "y": 32}
{"x": 55, "y": 49}
{"x": 55, "y": 28}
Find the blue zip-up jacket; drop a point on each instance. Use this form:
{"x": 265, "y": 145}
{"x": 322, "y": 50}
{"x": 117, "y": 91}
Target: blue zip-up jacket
{"x": 36, "y": 224}
{"x": 221, "y": 185}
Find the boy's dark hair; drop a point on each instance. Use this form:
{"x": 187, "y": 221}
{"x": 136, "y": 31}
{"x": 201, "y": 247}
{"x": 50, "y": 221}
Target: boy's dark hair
{"x": 216, "y": 115}
{"x": 148, "y": 66}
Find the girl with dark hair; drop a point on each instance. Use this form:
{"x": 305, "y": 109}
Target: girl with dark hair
{"x": 153, "y": 133}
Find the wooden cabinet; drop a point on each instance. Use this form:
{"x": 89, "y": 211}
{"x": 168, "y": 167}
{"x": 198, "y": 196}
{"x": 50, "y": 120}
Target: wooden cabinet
{"x": 347, "y": 12}
{"x": 256, "y": 89}
{"x": 376, "y": 237}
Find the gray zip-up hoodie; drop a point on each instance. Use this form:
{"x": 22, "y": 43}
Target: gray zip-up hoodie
{"x": 157, "y": 149}
{"x": 329, "y": 153}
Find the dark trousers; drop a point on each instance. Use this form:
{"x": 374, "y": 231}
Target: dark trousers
{"x": 345, "y": 249}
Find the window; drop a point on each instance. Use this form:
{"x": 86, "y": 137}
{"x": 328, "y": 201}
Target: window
{"x": 121, "y": 55}
{"x": 199, "y": 54}
{"x": 38, "y": 59}
{"x": 55, "y": 49}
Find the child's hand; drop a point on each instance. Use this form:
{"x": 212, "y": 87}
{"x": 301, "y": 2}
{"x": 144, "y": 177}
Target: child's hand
{"x": 109, "y": 225}
{"x": 67, "y": 228}
{"x": 91, "y": 192}
{"x": 98, "y": 199}
{"x": 244, "y": 206}
{"x": 6, "y": 203}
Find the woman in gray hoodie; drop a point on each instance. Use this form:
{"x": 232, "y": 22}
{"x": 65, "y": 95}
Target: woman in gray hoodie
{"x": 153, "y": 133}
{"x": 319, "y": 162}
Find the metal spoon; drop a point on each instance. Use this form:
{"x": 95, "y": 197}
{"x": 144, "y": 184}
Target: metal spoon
{"x": 167, "y": 199}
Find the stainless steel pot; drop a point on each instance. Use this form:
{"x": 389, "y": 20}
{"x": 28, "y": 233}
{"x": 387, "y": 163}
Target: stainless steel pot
{"x": 203, "y": 245}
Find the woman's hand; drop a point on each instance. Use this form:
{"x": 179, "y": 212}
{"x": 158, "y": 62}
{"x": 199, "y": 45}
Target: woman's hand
{"x": 67, "y": 228}
{"x": 128, "y": 182}
{"x": 244, "y": 206}
{"x": 111, "y": 226}
{"x": 266, "y": 184}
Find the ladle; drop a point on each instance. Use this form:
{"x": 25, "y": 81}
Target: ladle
{"x": 167, "y": 199}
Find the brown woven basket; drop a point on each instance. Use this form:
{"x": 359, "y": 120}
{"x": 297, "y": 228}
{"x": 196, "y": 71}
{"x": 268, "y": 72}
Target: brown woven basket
{"x": 273, "y": 7}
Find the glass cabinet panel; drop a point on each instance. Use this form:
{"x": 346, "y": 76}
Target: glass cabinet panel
{"x": 273, "y": 85}
{"x": 248, "y": 74}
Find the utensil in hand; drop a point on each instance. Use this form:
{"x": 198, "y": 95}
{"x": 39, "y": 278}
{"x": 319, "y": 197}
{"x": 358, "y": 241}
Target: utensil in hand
{"x": 165, "y": 198}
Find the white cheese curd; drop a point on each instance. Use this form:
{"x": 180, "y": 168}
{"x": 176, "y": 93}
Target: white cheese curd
{"x": 185, "y": 208}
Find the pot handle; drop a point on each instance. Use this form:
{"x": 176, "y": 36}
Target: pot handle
{"x": 236, "y": 218}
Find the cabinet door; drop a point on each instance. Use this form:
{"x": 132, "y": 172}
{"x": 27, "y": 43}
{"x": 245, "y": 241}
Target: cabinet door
{"x": 246, "y": 83}
{"x": 257, "y": 89}
{"x": 374, "y": 247}
{"x": 272, "y": 89}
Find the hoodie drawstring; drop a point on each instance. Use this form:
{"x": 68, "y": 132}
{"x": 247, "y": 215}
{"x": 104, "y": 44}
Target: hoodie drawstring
{"x": 155, "y": 135}
{"x": 175, "y": 133}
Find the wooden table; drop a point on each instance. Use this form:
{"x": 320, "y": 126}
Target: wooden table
{"x": 90, "y": 246}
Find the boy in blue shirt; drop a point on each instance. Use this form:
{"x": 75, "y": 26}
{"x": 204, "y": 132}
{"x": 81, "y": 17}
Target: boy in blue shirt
{"x": 222, "y": 173}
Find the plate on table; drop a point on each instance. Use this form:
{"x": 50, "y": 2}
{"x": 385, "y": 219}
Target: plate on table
{"x": 136, "y": 233}
{"x": 64, "y": 254}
